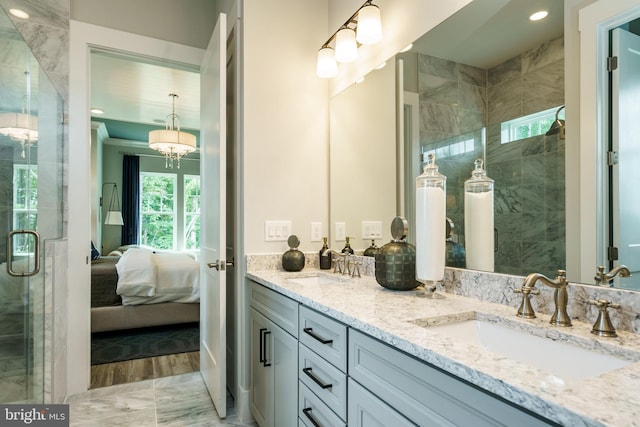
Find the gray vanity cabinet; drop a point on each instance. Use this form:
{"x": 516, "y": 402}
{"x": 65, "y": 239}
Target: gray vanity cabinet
{"x": 422, "y": 393}
{"x": 273, "y": 321}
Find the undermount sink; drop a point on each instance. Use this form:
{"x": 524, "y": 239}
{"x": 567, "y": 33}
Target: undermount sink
{"x": 564, "y": 360}
{"x": 316, "y": 279}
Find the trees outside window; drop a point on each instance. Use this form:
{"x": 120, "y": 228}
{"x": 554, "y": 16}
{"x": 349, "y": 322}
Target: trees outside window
{"x": 158, "y": 210}
{"x": 191, "y": 212}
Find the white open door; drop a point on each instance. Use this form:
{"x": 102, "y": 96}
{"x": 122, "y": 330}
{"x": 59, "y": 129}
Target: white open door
{"x": 213, "y": 327}
{"x": 625, "y": 109}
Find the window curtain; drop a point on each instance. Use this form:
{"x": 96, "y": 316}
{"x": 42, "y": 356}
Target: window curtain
{"x": 130, "y": 200}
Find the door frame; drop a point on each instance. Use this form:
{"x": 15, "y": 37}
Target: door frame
{"x": 83, "y": 38}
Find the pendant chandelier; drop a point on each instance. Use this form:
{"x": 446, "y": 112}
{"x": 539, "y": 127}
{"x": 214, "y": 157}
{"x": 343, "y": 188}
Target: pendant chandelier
{"x": 21, "y": 127}
{"x": 171, "y": 141}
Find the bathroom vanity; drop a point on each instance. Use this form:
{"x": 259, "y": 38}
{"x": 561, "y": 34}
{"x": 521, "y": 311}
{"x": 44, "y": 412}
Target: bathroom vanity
{"x": 355, "y": 352}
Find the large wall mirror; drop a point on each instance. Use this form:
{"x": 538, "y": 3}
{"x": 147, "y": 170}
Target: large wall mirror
{"x": 482, "y": 94}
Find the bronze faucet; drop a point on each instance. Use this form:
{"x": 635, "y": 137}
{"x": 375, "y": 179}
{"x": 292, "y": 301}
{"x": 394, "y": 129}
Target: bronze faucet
{"x": 560, "y": 297}
{"x": 603, "y": 279}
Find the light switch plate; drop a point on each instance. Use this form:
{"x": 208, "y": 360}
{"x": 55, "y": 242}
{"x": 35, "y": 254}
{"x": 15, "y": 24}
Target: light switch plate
{"x": 316, "y": 231}
{"x": 277, "y": 231}
{"x": 341, "y": 231}
{"x": 371, "y": 229}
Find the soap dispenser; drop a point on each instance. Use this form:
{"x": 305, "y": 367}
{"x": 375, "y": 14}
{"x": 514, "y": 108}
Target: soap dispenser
{"x": 371, "y": 250}
{"x": 430, "y": 223}
{"x": 325, "y": 258}
{"x": 478, "y": 219}
{"x": 347, "y": 247}
{"x": 293, "y": 259}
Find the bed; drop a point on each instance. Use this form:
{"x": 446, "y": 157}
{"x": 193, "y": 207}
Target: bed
{"x": 142, "y": 288}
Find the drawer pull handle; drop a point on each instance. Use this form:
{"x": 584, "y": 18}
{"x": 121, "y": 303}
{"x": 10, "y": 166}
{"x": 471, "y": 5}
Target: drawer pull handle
{"x": 262, "y": 346}
{"x": 316, "y": 379}
{"x": 307, "y": 413}
{"x": 264, "y": 363}
{"x": 316, "y": 336}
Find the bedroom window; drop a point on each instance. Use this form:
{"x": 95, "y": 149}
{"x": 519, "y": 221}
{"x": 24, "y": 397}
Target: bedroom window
{"x": 158, "y": 210}
{"x": 25, "y": 205}
{"x": 191, "y": 212}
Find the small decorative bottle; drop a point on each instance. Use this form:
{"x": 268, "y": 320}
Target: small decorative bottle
{"x": 478, "y": 219}
{"x": 430, "y": 223}
{"x": 325, "y": 258}
{"x": 371, "y": 250}
{"x": 347, "y": 246}
{"x": 293, "y": 259}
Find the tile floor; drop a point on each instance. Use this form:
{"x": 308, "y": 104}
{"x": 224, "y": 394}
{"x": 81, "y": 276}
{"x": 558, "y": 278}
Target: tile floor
{"x": 180, "y": 400}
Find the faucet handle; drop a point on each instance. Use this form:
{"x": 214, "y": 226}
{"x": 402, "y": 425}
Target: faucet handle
{"x": 526, "y": 310}
{"x": 603, "y": 326}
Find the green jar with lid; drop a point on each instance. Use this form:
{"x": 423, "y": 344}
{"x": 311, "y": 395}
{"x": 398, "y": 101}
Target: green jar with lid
{"x": 395, "y": 262}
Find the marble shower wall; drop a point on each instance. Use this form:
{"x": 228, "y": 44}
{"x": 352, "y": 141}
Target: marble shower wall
{"x": 461, "y": 109}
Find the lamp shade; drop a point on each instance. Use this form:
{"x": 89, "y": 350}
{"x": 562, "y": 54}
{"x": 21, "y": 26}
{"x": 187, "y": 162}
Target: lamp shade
{"x": 19, "y": 126}
{"x": 369, "y": 30}
{"x": 168, "y": 141}
{"x": 113, "y": 218}
{"x": 346, "y": 46}
{"x": 327, "y": 66}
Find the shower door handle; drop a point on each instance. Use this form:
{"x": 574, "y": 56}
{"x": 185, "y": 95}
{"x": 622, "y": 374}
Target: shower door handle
{"x": 36, "y": 254}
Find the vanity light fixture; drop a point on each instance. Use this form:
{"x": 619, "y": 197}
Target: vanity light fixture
{"x": 537, "y": 16}
{"x": 362, "y": 28}
{"x": 171, "y": 141}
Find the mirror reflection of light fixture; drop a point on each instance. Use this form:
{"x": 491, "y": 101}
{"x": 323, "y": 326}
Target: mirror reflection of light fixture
{"x": 114, "y": 215}
{"x": 171, "y": 141}
{"x": 362, "y": 28}
{"x": 557, "y": 127}
{"x": 22, "y": 127}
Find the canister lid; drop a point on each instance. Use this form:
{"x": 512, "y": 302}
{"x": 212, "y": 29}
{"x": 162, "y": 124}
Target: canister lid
{"x": 293, "y": 241}
{"x": 399, "y": 228}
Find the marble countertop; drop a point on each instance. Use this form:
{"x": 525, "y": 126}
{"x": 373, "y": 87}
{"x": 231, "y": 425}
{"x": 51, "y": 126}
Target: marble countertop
{"x": 611, "y": 398}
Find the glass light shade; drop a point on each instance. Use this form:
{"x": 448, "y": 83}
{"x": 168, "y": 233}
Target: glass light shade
{"x": 168, "y": 141}
{"x": 19, "y": 126}
{"x": 346, "y": 46}
{"x": 327, "y": 66}
{"x": 369, "y": 30}
{"x": 113, "y": 218}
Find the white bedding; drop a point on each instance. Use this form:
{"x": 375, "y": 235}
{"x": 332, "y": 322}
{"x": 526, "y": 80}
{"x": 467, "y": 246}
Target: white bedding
{"x": 149, "y": 277}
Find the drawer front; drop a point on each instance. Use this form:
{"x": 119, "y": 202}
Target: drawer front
{"x": 313, "y": 412}
{"x": 425, "y": 395}
{"x": 324, "y": 379}
{"x": 325, "y": 336}
{"x": 366, "y": 410}
{"x": 279, "y": 309}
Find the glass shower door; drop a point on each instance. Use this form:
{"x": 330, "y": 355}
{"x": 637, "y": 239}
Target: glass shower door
{"x": 30, "y": 212}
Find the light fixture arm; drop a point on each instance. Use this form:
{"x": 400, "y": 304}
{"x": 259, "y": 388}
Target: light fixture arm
{"x": 353, "y": 19}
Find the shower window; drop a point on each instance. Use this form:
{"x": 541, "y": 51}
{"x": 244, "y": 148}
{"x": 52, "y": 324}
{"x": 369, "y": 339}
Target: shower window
{"x": 25, "y": 206}
{"x": 527, "y": 126}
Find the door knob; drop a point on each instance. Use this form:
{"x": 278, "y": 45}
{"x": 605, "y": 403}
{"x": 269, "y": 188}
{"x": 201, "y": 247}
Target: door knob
{"x": 221, "y": 265}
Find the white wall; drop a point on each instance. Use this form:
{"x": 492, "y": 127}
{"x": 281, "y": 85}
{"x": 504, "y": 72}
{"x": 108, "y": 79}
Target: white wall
{"x": 285, "y": 118}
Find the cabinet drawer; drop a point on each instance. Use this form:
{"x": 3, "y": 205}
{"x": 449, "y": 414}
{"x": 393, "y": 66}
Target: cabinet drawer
{"x": 424, "y": 394}
{"x": 366, "y": 410}
{"x": 313, "y": 412}
{"x": 324, "y": 379}
{"x": 281, "y": 310}
{"x": 325, "y": 336}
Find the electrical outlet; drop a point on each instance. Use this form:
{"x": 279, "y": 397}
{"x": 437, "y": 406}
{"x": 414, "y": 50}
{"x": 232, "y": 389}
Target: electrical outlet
{"x": 341, "y": 231}
{"x": 277, "y": 231}
{"x": 316, "y": 231}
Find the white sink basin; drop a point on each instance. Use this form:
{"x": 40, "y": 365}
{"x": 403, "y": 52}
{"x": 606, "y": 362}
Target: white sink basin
{"x": 564, "y": 360}
{"x": 316, "y": 279}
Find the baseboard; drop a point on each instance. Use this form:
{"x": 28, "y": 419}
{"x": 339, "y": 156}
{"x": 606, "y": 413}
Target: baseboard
{"x": 242, "y": 406}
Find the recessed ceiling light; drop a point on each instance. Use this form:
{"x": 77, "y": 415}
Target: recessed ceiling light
{"x": 541, "y": 14}
{"x": 407, "y": 48}
{"x": 19, "y": 13}
{"x": 360, "y": 80}
{"x": 96, "y": 111}
{"x": 159, "y": 121}
{"x": 381, "y": 65}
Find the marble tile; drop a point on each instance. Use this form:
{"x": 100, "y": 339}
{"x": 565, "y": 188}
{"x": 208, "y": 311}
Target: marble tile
{"x": 439, "y": 91}
{"x": 508, "y": 70}
{"x": 472, "y": 97}
{"x": 534, "y": 169}
{"x": 507, "y": 173}
{"x": 430, "y": 65}
{"x": 472, "y": 75}
{"x": 438, "y": 118}
{"x": 542, "y": 55}
{"x": 507, "y": 94}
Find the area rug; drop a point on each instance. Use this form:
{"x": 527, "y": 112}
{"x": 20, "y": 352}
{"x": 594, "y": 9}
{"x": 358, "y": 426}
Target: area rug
{"x": 116, "y": 346}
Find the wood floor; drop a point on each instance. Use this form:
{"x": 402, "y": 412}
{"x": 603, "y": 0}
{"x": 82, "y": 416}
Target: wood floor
{"x": 144, "y": 369}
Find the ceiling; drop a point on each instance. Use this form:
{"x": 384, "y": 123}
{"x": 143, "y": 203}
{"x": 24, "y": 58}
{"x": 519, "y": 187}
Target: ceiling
{"x": 134, "y": 92}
